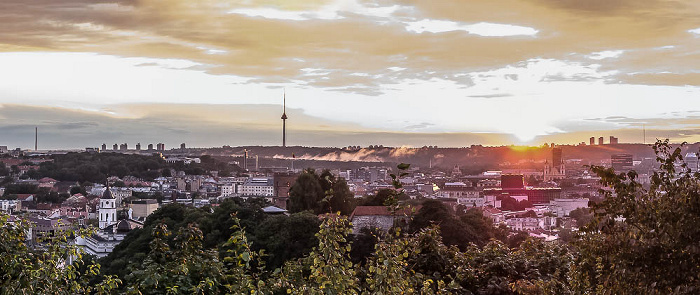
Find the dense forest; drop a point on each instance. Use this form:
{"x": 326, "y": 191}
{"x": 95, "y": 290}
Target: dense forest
{"x": 96, "y": 167}
{"x": 638, "y": 241}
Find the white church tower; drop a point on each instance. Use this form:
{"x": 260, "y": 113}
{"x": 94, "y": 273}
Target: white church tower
{"x": 108, "y": 209}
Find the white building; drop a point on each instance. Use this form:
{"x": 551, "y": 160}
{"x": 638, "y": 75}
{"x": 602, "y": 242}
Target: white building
{"x": 108, "y": 209}
{"x": 227, "y": 190}
{"x": 562, "y": 207}
{"x": 9, "y": 206}
{"x": 258, "y": 187}
{"x": 104, "y": 240}
{"x": 531, "y": 223}
{"x": 456, "y": 190}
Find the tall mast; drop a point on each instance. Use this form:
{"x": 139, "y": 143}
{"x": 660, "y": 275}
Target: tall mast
{"x": 284, "y": 119}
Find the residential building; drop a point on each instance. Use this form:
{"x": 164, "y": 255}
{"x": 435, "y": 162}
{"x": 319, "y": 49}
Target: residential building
{"x": 621, "y": 162}
{"x": 142, "y": 208}
{"x": 562, "y": 207}
{"x": 258, "y": 187}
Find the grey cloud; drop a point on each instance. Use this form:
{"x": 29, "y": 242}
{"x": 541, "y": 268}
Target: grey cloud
{"x": 492, "y": 95}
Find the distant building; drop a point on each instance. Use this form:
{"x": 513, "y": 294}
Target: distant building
{"x": 691, "y": 159}
{"x": 537, "y": 195}
{"x": 562, "y": 207}
{"x": 115, "y": 147}
{"x": 104, "y": 146}
{"x": 600, "y": 140}
{"x": 102, "y": 242}
{"x": 512, "y": 181}
{"x": 258, "y": 187}
{"x": 107, "y": 209}
{"x": 592, "y": 140}
{"x": 138, "y": 146}
{"x": 555, "y": 169}
{"x": 379, "y": 217}
{"x": 621, "y": 162}
{"x": 142, "y": 208}
{"x": 283, "y": 183}
{"x": 613, "y": 140}
{"x": 150, "y": 146}
{"x": 182, "y": 146}
{"x": 160, "y": 147}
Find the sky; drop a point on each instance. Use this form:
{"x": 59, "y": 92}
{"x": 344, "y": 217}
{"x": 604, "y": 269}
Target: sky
{"x": 355, "y": 72}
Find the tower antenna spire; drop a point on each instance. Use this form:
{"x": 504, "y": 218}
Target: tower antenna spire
{"x": 284, "y": 118}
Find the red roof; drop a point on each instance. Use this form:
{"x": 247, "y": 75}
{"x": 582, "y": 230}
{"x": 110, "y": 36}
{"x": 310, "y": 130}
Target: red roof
{"x": 23, "y": 197}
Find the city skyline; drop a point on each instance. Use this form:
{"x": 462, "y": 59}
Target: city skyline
{"x": 211, "y": 73}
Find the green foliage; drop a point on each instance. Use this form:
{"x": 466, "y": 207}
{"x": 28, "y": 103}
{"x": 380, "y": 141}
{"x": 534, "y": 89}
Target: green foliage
{"x": 582, "y": 216}
{"x": 286, "y": 237}
{"x": 643, "y": 241}
{"x": 322, "y": 193}
{"x": 44, "y": 270}
{"x": 331, "y": 271}
{"x": 511, "y": 204}
{"x": 471, "y": 227}
{"x": 185, "y": 268}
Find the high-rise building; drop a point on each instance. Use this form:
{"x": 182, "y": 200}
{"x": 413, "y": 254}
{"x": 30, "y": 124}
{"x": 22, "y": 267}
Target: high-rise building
{"x": 600, "y": 140}
{"x": 115, "y": 147}
{"x": 104, "y": 146}
{"x": 592, "y": 140}
{"x": 182, "y": 146}
{"x": 613, "y": 140}
{"x": 123, "y": 147}
{"x": 621, "y": 162}
{"x": 150, "y": 146}
{"x": 245, "y": 159}
{"x": 138, "y": 146}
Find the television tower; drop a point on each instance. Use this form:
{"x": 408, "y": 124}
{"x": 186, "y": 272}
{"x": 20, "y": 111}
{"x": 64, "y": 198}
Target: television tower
{"x": 284, "y": 119}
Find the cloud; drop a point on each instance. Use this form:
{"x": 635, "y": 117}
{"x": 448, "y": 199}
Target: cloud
{"x": 403, "y": 58}
{"x": 481, "y": 29}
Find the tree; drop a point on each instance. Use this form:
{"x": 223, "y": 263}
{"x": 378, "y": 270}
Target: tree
{"x": 338, "y": 198}
{"x": 186, "y": 268}
{"x": 460, "y": 232}
{"x": 45, "y": 271}
{"x": 286, "y": 237}
{"x": 582, "y": 216}
{"x": 643, "y": 241}
{"x": 306, "y": 193}
{"x": 378, "y": 199}
{"x": 320, "y": 194}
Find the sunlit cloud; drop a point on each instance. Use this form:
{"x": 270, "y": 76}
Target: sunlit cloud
{"x": 606, "y": 54}
{"x": 481, "y": 29}
{"x": 526, "y": 69}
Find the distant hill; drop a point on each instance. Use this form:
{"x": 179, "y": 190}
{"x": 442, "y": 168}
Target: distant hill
{"x": 474, "y": 157}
